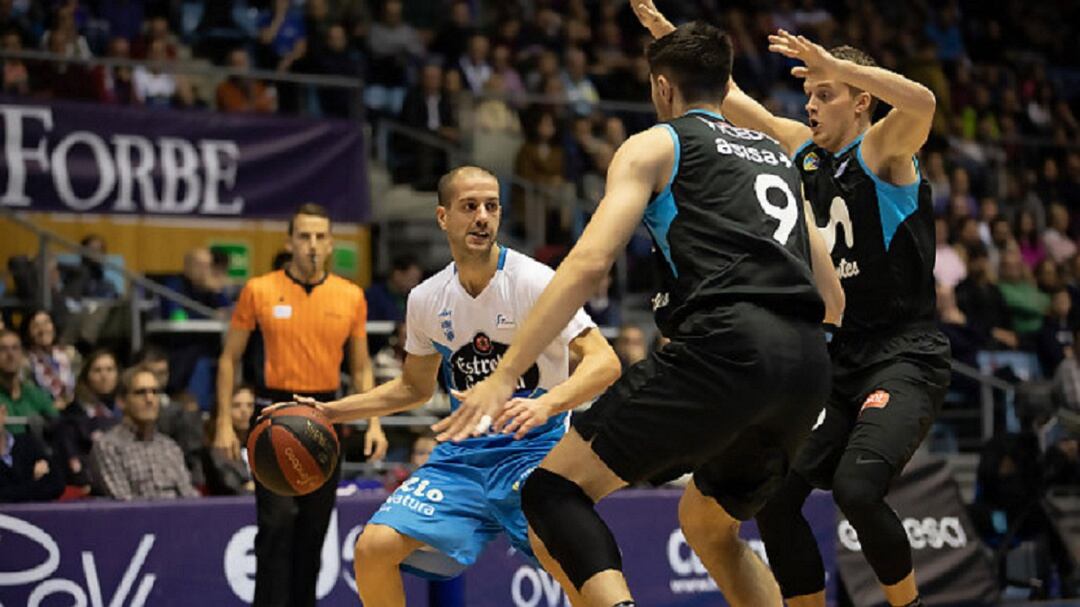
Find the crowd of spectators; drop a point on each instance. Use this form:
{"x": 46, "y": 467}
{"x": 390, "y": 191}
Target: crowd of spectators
{"x": 523, "y": 87}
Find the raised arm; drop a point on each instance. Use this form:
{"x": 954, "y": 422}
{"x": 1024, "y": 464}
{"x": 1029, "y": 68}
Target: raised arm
{"x": 890, "y": 143}
{"x": 738, "y": 107}
{"x": 413, "y": 388}
{"x": 640, "y": 167}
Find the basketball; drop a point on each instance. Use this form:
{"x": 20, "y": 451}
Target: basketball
{"x": 293, "y": 450}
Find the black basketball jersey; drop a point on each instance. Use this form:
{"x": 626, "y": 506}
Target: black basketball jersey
{"x": 880, "y": 236}
{"x": 729, "y": 227}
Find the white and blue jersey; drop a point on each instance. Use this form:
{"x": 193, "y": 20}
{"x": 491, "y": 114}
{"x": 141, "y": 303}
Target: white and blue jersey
{"x": 469, "y": 491}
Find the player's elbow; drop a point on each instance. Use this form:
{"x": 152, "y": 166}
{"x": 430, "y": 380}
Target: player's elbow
{"x": 924, "y": 101}
{"x": 590, "y": 265}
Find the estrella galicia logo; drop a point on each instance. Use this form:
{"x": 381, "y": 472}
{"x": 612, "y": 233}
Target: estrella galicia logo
{"x": 811, "y": 162}
{"x": 478, "y": 358}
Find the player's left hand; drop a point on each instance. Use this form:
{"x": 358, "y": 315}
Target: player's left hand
{"x": 375, "y": 443}
{"x": 477, "y": 409}
{"x": 521, "y": 415}
{"x": 819, "y": 62}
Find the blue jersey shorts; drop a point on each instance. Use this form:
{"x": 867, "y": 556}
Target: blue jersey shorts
{"x": 461, "y": 499}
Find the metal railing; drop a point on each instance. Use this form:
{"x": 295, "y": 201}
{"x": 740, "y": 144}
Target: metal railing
{"x": 48, "y": 238}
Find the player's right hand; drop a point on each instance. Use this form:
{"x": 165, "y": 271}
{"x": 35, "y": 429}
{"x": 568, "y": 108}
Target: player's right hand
{"x": 651, "y": 18}
{"x": 226, "y": 443}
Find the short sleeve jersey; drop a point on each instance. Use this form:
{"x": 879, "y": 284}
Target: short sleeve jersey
{"x": 472, "y": 333}
{"x": 304, "y": 327}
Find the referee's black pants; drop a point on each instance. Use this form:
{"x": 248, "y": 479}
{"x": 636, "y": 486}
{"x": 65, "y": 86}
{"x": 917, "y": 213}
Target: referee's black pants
{"x": 291, "y": 531}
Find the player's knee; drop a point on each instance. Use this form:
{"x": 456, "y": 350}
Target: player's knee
{"x": 543, "y": 492}
{"x": 702, "y": 520}
{"x": 855, "y": 494}
{"x": 378, "y": 545}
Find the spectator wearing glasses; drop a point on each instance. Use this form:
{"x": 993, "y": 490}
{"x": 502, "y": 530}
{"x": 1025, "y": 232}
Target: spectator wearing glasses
{"x": 133, "y": 460}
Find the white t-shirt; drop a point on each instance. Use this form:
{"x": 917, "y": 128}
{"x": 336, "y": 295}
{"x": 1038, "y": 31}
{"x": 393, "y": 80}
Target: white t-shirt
{"x": 472, "y": 334}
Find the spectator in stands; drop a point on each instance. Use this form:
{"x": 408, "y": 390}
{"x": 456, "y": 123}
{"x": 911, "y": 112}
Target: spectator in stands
{"x": 58, "y": 79}
{"x": 64, "y": 37}
{"x": 1048, "y": 277}
{"x": 386, "y": 299}
{"x": 983, "y": 305}
{"x": 547, "y": 68}
{"x": 87, "y": 280}
{"x": 156, "y": 88}
{"x": 394, "y": 46}
{"x": 453, "y": 37}
{"x": 1059, "y": 247}
{"x": 22, "y": 397}
{"x": 1027, "y": 236}
{"x": 133, "y": 460}
{"x": 14, "y": 20}
{"x": 1055, "y": 338}
{"x": 425, "y": 108}
{"x": 1062, "y": 462}
{"x": 421, "y": 450}
{"x": 474, "y": 66}
{"x": 92, "y": 413}
{"x": 337, "y": 59}
{"x": 239, "y": 93}
{"x": 630, "y": 345}
{"x": 493, "y": 114}
{"x": 181, "y": 420}
{"x": 580, "y": 90}
{"x": 1026, "y": 303}
{"x": 602, "y": 307}
{"x": 541, "y": 160}
{"x": 199, "y": 282}
{"x": 965, "y": 338}
{"x": 25, "y": 472}
{"x": 949, "y": 268}
{"x": 16, "y": 76}
{"x": 1001, "y": 239}
{"x": 224, "y": 475}
{"x": 157, "y": 361}
{"x": 52, "y": 366}
{"x": 282, "y": 46}
{"x": 115, "y": 84}
{"x": 155, "y": 29}
{"x": 387, "y": 362}
{"x": 502, "y": 66}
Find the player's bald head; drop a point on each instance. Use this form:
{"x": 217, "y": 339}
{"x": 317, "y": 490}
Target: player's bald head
{"x": 448, "y": 182}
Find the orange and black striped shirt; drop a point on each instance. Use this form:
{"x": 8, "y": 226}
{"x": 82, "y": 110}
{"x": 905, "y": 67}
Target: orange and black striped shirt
{"x": 304, "y": 328}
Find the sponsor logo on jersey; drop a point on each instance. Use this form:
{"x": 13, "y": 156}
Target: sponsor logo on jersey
{"x": 478, "y": 359}
{"x": 811, "y": 162}
{"x": 842, "y": 167}
{"x": 503, "y": 321}
{"x": 660, "y": 300}
{"x": 847, "y": 269}
{"x": 878, "y": 399}
{"x": 447, "y": 324}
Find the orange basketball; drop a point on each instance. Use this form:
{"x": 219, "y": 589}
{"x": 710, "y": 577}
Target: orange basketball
{"x": 293, "y": 450}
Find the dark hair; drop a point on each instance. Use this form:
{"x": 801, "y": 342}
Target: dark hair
{"x": 696, "y": 57}
{"x": 28, "y": 319}
{"x": 977, "y": 251}
{"x": 281, "y": 259}
{"x": 403, "y": 262}
{"x": 854, "y": 55}
{"x": 150, "y": 354}
{"x": 308, "y": 208}
{"x": 446, "y": 182}
{"x": 86, "y": 240}
{"x": 82, "y": 383}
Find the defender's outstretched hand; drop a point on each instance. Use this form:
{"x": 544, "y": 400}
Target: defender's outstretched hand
{"x": 651, "y": 18}
{"x": 819, "y": 62}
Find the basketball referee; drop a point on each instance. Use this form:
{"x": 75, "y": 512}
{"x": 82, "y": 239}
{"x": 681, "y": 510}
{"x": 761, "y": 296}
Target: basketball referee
{"x": 307, "y": 317}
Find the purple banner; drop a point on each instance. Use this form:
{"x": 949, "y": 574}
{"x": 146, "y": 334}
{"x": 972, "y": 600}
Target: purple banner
{"x": 86, "y": 157}
{"x": 200, "y": 552}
